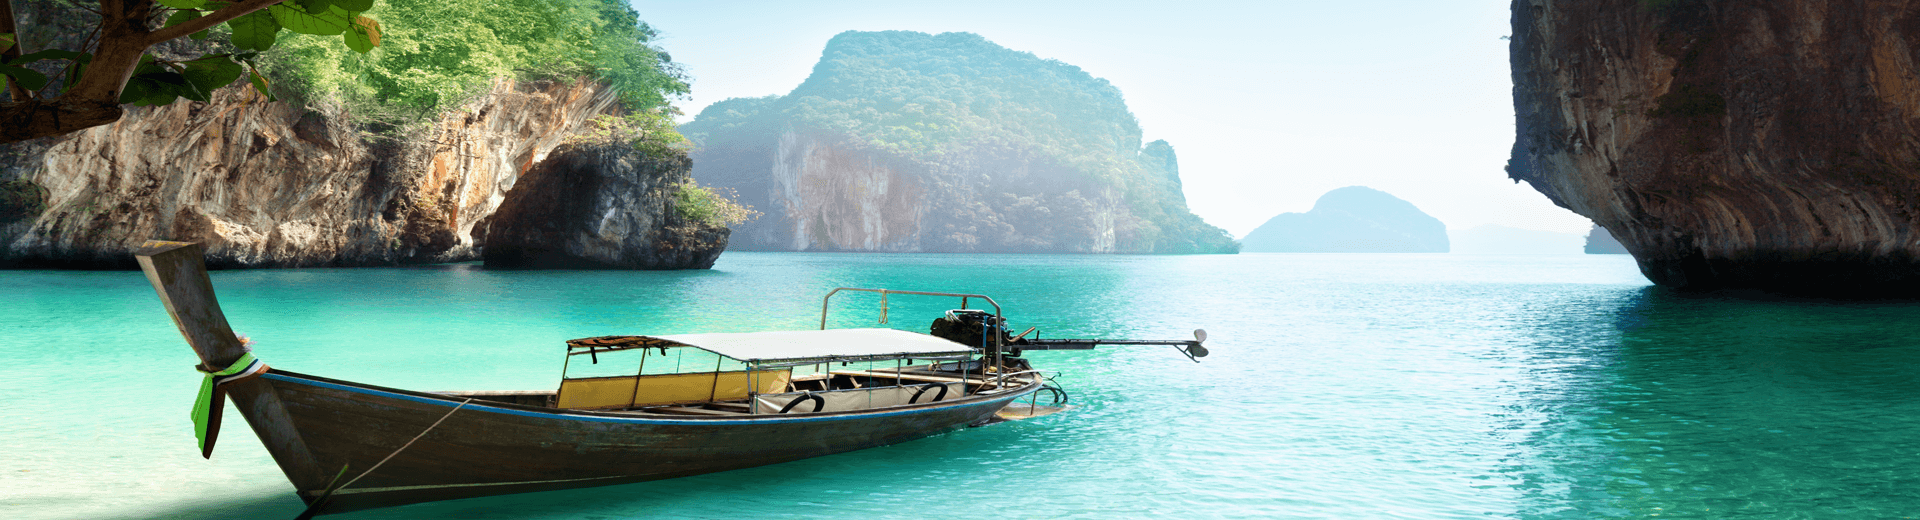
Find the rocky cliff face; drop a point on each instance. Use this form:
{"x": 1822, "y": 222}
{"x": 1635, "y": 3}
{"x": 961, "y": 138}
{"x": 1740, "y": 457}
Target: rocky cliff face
{"x": 598, "y": 206}
{"x": 1730, "y": 144}
{"x": 272, "y": 184}
{"x": 823, "y": 193}
{"x": 910, "y": 142}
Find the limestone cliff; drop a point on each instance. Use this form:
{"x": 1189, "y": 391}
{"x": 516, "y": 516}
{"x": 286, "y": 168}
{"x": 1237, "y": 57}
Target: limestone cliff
{"x": 600, "y": 205}
{"x": 274, "y": 184}
{"x": 909, "y": 142}
{"x": 1730, "y": 144}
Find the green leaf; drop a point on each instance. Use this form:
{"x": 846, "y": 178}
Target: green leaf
{"x": 135, "y": 90}
{"x": 148, "y": 66}
{"x": 359, "y": 39}
{"x": 354, "y": 6}
{"x": 182, "y": 4}
{"x": 78, "y": 69}
{"x": 181, "y": 86}
{"x": 27, "y": 78}
{"x": 153, "y": 84}
{"x": 315, "y": 6}
{"x": 326, "y": 23}
{"x": 260, "y": 85}
{"x": 254, "y": 31}
{"x": 6, "y": 41}
{"x": 370, "y": 26}
{"x": 151, "y": 89}
{"x": 49, "y": 54}
{"x": 181, "y": 16}
{"x": 212, "y": 72}
{"x": 158, "y": 97}
{"x": 184, "y": 16}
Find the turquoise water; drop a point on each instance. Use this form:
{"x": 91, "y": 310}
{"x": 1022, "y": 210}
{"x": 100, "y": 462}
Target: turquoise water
{"x": 1340, "y": 386}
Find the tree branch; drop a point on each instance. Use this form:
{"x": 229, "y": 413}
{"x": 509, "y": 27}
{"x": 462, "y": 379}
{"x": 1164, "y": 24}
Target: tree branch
{"x": 76, "y": 5}
{"x": 236, "y": 10}
{"x": 7, "y": 22}
{"x": 20, "y": 121}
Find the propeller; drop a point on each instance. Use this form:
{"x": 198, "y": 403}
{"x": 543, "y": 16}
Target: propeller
{"x": 1199, "y": 336}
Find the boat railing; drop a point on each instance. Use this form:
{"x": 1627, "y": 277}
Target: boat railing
{"x": 998, "y": 380}
{"x": 999, "y": 341}
{"x": 825, "y": 302}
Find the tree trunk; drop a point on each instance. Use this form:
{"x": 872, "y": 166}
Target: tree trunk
{"x": 32, "y": 119}
{"x": 7, "y": 25}
{"x": 94, "y": 99}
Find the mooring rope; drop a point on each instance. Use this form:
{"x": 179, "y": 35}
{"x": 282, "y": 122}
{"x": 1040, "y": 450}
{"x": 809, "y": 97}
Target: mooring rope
{"x": 322, "y": 500}
{"x": 403, "y": 447}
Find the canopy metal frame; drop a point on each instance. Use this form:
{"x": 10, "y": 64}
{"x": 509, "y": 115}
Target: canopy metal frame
{"x": 999, "y": 342}
{"x": 753, "y": 366}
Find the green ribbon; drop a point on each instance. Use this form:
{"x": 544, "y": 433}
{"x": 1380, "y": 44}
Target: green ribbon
{"x": 202, "y": 405}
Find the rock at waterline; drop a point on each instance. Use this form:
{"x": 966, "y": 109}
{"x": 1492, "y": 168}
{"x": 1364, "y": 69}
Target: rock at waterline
{"x": 1729, "y": 144}
{"x": 599, "y": 206}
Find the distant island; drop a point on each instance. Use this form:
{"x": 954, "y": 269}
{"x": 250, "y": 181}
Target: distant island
{"x": 910, "y": 142}
{"x": 1354, "y": 219}
{"x": 1601, "y": 242}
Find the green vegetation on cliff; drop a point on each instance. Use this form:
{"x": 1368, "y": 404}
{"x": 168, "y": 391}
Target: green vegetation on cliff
{"x": 710, "y": 206}
{"x": 436, "y": 54}
{"x": 915, "y": 95}
{"x": 1035, "y": 140}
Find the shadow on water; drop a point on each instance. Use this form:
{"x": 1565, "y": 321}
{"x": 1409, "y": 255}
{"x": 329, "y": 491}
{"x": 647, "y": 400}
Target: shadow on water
{"x": 1718, "y": 407}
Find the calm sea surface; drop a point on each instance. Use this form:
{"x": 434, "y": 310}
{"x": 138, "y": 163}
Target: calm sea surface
{"x": 1340, "y": 386}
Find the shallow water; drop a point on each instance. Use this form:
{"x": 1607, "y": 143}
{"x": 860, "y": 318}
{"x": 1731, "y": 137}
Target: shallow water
{"x": 1340, "y": 386}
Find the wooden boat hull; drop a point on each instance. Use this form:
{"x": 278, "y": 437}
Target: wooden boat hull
{"x": 489, "y": 448}
{"x": 394, "y": 447}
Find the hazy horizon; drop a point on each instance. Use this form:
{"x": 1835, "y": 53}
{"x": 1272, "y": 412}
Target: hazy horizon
{"x": 1269, "y": 105}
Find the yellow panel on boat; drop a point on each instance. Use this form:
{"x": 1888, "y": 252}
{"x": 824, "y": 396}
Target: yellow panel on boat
{"x": 629, "y": 391}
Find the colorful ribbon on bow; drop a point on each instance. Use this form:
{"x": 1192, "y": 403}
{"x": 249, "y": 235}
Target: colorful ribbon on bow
{"x": 212, "y": 399}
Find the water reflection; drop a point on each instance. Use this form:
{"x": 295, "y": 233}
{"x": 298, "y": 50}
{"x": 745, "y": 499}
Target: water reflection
{"x": 1714, "y": 408}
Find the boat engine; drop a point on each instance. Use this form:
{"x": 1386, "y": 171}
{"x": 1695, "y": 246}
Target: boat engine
{"x": 971, "y": 327}
{"x": 975, "y": 328}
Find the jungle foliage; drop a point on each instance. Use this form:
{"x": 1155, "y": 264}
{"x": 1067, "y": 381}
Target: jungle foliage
{"x": 436, "y": 54}
{"x": 710, "y": 205}
{"x": 92, "y": 73}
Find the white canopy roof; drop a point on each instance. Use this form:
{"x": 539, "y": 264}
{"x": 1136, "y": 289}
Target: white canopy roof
{"x": 802, "y": 345}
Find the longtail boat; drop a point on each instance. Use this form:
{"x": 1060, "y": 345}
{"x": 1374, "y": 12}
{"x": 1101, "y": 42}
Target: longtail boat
{"x": 755, "y": 398}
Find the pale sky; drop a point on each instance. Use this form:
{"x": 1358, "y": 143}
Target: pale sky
{"x": 1269, "y": 104}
